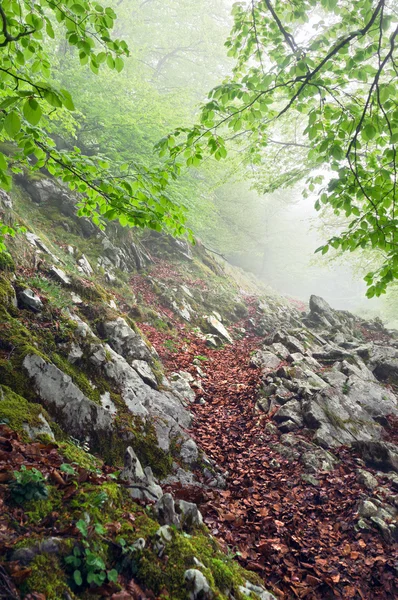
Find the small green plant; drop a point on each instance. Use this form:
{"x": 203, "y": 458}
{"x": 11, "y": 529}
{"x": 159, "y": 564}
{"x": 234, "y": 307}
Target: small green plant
{"x": 86, "y": 561}
{"x": 68, "y": 469}
{"x": 201, "y": 357}
{"x": 346, "y": 387}
{"x": 171, "y": 345}
{"x": 28, "y": 484}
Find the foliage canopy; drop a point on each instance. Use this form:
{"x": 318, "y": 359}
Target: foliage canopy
{"x": 332, "y": 66}
{"x": 33, "y": 107}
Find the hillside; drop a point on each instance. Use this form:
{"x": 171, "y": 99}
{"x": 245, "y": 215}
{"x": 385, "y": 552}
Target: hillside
{"x": 195, "y": 435}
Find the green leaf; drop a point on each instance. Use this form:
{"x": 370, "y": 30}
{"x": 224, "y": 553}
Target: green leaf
{"x": 77, "y": 576}
{"x": 369, "y": 132}
{"x": 113, "y": 575}
{"x": 78, "y": 9}
{"x": 67, "y": 100}
{"x": 119, "y": 64}
{"x": 12, "y": 123}
{"x": 3, "y": 162}
{"x": 32, "y": 111}
{"x": 52, "y": 98}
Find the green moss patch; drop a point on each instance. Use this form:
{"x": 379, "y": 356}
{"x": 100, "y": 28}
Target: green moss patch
{"x": 15, "y": 411}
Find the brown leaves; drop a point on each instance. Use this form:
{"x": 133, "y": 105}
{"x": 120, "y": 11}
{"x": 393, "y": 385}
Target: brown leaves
{"x": 300, "y": 539}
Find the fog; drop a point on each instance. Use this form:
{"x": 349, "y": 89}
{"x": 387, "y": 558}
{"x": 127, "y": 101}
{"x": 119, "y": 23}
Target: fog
{"x": 291, "y": 234}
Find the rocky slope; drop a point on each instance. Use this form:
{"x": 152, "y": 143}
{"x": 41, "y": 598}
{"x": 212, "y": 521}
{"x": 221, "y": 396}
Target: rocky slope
{"x": 143, "y": 379}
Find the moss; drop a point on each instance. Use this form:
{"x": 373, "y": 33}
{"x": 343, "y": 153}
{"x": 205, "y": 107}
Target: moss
{"x": 157, "y": 370}
{"x": 222, "y": 573}
{"x": 146, "y": 446}
{"x": 16, "y": 412}
{"x": 78, "y": 456}
{"x": 48, "y": 578}
{"x": 78, "y": 377}
{"x": 37, "y": 510}
{"x": 6, "y": 262}
{"x": 7, "y": 293}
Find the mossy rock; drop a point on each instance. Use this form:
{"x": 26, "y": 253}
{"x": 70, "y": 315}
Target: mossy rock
{"x": 222, "y": 573}
{"x": 16, "y": 412}
{"x": 47, "y": 577}
{"x": 6, "y": 262}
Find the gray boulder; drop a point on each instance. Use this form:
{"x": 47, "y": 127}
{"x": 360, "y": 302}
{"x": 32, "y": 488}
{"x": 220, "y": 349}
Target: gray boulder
{"x": 218, "y": 328}
{"x": 189, "y": 452}
{"x": 30, "y": 300}
{"x": 381, "y": 455}
{"x": 190, "y": 515}
{"x": 125, "y": 341}
{"x": 165, "y": 511}
{"x": 80, "y": 416}
{"x": 34, "y": 431}
{"x": 145, "y": 372}
{"x": 384, "y": 363}
{"x": 141, "y": 483}
{"x": 197, "y": 585}
{"x": 266, "y": 361}
{"x": 180, "y": 383}
{"x": 60, "y": 276}
{"x": 249, "y": 589}
{"x": 338, "y": 419}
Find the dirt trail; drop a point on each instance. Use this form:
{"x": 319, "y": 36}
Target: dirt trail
{"x": 298, "y": 537}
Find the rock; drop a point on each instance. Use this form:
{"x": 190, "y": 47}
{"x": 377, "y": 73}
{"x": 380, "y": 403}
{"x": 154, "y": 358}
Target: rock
{"x": 169, "y": 414}
{"x": 80, "y": 416}
{"x": 187, "y": 291}
{"x": 249, "y": 589}
{"x": 75, "y": 353}
{"x": 5, "y": 200}
{"x": 266, "y": 361}
{"x": 164, "y": 535}
{"x": 189, "y": 452}
{"x": 191, "y": 516}
{"x": 60, "y": 276}
{"x": 290, "y": 411}
{"x": 384, "y": 363}
{"x": 141, "y": 484}
{"x": 107, "y": 403}
{"x": 180, "y": 383}
{"x": 76, "y": 298}
{"x": 165, "y": 511}
{"x": 145, "y": 372}
{"x": 308, "y": 478}
{"x": 289, "y": 341}
{"x": 271, "y": 429}
{"x": 218, "y": 328}
{"x": 279, "y": 350}
{"x": 367, "y": 509}
{"x": 84, "y": 266}
{"x": 125, "y": 341}
{"x": 29, "y": 299}
{"x": 35, "y": 241}
{"x": 183, "y": 309}
{"x": 319, "y": 305}
{"x": 381, "y": 455}
{"x": 344, "y": 418}
{"x": 197, "y": 585}
{"x": 34, "y": 431}
{"x": 46, "y": 546}
{"x": 376, "y": 400}
{"x": 212, "y": 341}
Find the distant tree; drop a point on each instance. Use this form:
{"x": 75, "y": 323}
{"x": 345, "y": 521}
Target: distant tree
{"x": 32, "y": 108}
{"x": 332, "y": 68}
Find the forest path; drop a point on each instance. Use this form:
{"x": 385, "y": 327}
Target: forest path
{"x": 298, "y": 537}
